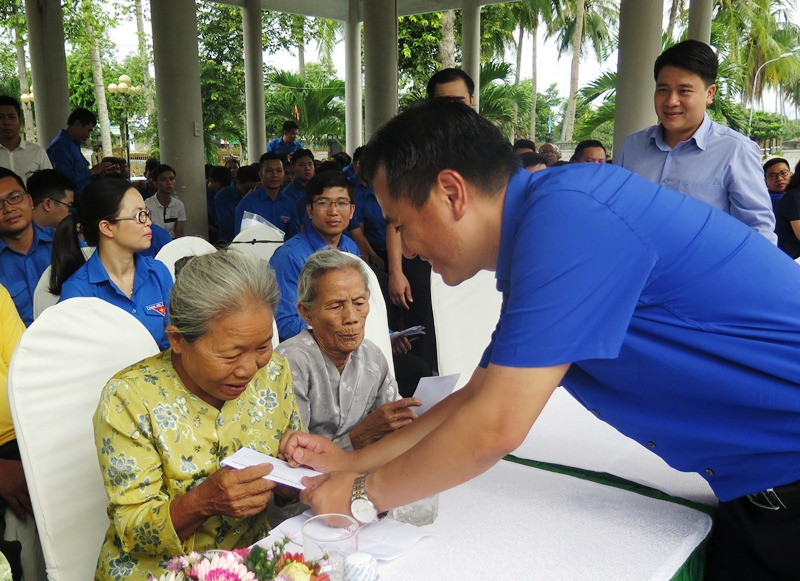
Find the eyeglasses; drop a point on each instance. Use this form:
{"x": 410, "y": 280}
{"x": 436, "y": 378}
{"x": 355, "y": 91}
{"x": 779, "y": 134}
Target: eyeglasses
{"x": 780, "y": 174}
{"x": 69, "y": 205}
{"x": 324, "y": 204}
{"x": 141, "y": 216}
{"x": 12, "y": 199}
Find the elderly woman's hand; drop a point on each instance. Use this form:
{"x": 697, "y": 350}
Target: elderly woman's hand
{"x": 384, "y": 420}
{"x": 317, "y": 452}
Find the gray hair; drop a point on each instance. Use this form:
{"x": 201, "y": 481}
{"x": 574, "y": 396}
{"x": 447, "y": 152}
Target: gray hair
{"x": 212, "y": 285}
{"x": 321, "y": 263}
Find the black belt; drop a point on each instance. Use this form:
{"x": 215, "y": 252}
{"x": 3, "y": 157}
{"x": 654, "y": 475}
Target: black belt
{"x": 778, "y": 498}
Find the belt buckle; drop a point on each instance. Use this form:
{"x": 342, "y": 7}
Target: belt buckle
{"x": 767, "y": 499}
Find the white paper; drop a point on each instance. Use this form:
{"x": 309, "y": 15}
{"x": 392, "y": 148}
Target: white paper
{"x": 249, "y": 219}
{"x": 281, "y": 473}
{"x": 432, "y": 390}
{"x": 385, "y": 539}
{"x": 410, "y": 332}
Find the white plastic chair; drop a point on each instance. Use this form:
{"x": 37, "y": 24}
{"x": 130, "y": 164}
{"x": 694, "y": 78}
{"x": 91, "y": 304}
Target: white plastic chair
{"x": 179, "y": 248}
{"x": 42, "y": 297}
{"x": 58, "y": 370}
{"x": 259, "y": 242}
{"x": 376, "y": 328}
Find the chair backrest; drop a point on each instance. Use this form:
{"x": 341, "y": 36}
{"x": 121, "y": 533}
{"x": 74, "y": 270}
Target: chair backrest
{"x": 565, "y": 432}
{"x": 376, "y": 328}
{"x": 42, "y": 297}
{"x": 179, "y": 248}
{"x": 257, "y": 241}
{"x": 59, "y": 368}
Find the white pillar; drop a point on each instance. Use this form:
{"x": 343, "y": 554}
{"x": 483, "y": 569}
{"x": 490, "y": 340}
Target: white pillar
{"x": 471, "y": 43}
{"x": 253, "y": 80}
{"x": 352, "y": 79}
{"x": 48, "y": 67}
{"x": 700, "y": 20}
{"x": 380, "y": 63}
{"x": 639, "y": 45}
{"x": 180, "y": 111}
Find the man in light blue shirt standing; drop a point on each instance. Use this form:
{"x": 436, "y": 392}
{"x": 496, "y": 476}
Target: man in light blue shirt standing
{"x": 689, "y": 152}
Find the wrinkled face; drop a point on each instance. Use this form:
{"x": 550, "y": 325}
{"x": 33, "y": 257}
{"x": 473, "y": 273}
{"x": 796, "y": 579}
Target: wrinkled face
{"x": 10, "y": 123}
{"x": 218, "y": 366}
{"x": 680, "y": 100}
{"x": 131, "y": 234}
{"x": 339, "y": 312}
{"x": 290, "y": 136}
{"x": 304, "y": 169}
{"x": 454, "y": 90}
{"x": 777, "y": 177}
{"x": 550, "y": 152}
{"x": 166, "y": 182}
{"x": 331, "y": 213}
{"x": 271, "y": 172}
{"x": 592, "y": 155}
{"x": 14, "y": 219}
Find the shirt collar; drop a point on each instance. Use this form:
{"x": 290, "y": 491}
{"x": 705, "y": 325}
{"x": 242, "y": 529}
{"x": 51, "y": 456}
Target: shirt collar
{"x": 518, "y": 187}
{"x": 98, "y": 272}
{"x": 316, "y": 241}
{"x": 700, "y": 136}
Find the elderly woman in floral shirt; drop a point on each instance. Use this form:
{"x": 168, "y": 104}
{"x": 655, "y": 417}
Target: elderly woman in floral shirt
{"x": 164, "y": 424}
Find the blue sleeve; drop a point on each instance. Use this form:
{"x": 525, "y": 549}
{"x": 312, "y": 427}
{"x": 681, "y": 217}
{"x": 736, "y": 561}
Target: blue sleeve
{"x": 292, "y": 226}
{"x": 271, "y": 146}
{"x": 61, "y": 158}
{"x": 288, "y": 320}
{"x": 73, "y": 287}
{"x": 238, "y": 214}
{"x": 747, "y": 192}
{"x": 225, "y": 217}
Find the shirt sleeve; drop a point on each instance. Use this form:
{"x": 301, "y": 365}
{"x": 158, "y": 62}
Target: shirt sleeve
{"x": 12, "y": 326}
{"x": 181, "y": 212}
{"x": 289, "y": 321}
{"x": 238, "y": 215}
{"x": 300, "y": 381}
{"x": 747, "y": 193}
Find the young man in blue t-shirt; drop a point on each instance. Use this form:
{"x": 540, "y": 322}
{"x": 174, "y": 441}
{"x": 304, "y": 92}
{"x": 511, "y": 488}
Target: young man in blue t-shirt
{"x": 669, "y": 319}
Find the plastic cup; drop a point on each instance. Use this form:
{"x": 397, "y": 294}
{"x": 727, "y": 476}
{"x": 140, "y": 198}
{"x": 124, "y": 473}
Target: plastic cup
{"x": 329, "y": 539}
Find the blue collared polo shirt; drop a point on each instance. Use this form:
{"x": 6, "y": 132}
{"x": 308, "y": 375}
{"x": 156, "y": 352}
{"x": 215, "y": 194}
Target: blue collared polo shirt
{"x": 282, "y": 148}
{"x": 369, "y": 216}
{"x": 279, "y": 212}
{"x": 682, "y": 324}
{"x": 151, "y": 287}
{"x": 225, "y": 203}
{"x": 20, "y": 273}
{"x": 65, "y": 155}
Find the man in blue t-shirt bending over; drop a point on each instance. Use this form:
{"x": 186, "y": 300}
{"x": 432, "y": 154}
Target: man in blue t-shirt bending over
{"x": 671, "y": 320}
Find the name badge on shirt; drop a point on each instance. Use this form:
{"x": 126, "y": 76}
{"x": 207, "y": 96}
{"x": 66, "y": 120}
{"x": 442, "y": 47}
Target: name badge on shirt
{"x": 157, "y": 308}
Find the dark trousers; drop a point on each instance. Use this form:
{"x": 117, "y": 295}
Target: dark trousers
{"x": 754, "y": 544}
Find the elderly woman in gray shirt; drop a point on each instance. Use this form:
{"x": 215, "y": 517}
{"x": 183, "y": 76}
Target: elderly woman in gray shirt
{"x": 344, "y": 388}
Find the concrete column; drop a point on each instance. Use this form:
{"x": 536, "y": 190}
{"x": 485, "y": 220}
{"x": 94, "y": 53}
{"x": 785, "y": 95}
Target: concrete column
{"x": 700, "y": 20}
{"x": 380, "y": 63}
{"x": 352, "y": 79}
{"x": 180, "y": 112}
{"x": 471, "y": 43}
{"x": 254, "y": 80}
{"x": 48, "y": 67}
{"x": 639, "y": 45}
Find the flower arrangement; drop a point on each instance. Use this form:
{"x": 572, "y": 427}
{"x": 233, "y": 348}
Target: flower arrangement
{"x": 254, "y": 564}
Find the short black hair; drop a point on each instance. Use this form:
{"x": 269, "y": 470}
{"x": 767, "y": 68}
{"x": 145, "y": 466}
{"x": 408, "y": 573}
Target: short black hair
{"x": 248, "y": 173}
{"x": 524, "y": 144}
{"x": 289, "y": 126}
{"x": 328, "y": 165}
{"x": 690, "y": 55}
{"x": 7, "y": 173}
{"x": 82, "y": 116}
{"x": 448, "y": 76}
{"x": 151, "y": 164}
{"x": 529, "y": 159}
{"x": 342, "y": 158}
{"x": 48, "y": 183}
{"x": 327, "y": 179}
{"x": 220, "y": 173}
{"x": 357, "y": 153}
{"x": 433, "y": 135}
{"x": 773, "y": 161}
{"x": 6, "y": 101}
{"x": 583, "y": 145}
{"x": 300, "y": 154}
{"x": 159, "y": 170}
{"x": 269, "y": 155}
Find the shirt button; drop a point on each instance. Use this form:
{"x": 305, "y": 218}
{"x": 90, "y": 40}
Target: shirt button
{"x": 596, "y": 413}
{"x": 133, "y": 311}
{"x": 651, "y": 444}
{"x": 709, "y": 472}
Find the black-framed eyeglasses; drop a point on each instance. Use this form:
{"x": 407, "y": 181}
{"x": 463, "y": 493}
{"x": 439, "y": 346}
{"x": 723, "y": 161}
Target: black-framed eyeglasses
{"x": 781, "y": 174}
{"x": 141, "y": 216}
{"x": 69, "y": 205}
{"x": 12, "y": 199}
{"x": 324, "y": 204}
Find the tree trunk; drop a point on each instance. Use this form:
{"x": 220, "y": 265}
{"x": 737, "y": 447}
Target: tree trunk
{"x": 24, "y": 87}
{"x": 99, "y": 92}
{"x": 673, "y": 15}
{"x": 147, "y": 83}
{"x": 299, "y": 34}
{"x": 520, "y": 33}
{"x": 569, "y": 117}
{"x": 534, "y": 40}
{"x": 447, "y": 48}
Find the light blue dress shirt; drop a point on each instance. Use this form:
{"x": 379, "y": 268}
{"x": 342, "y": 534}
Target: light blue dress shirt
{"x": 716, "y": 165}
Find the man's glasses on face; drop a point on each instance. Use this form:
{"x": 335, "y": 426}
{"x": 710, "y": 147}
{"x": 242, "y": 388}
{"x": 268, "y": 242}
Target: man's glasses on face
{"x": 776, "y": 175}
{"x": 142, "y": 217}
{"x": 324, "y": 203}
{"x": 69, "y": 205}
{"x": 12, "y": 199}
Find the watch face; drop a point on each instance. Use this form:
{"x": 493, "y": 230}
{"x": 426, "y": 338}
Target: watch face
{"x": 363, "y": 510}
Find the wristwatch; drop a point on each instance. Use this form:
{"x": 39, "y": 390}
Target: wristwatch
{"x": 361, "y": 506}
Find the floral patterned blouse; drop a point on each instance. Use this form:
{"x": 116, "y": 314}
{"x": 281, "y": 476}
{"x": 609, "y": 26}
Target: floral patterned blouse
{"x": 156, "y": 440}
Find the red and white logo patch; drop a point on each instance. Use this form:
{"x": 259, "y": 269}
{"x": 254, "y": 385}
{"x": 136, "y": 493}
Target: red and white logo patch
{"x": 158, "y": 308}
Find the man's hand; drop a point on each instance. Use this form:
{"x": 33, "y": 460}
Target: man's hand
{"x": 400, "y": 290}
{"x": 329, "y": 493}
{"x": 402, "y": 345}
{"x": 384, "y": 420}
{"x": 237, "y": 493}
{"x": 101, "y": 168}
{"x": 13, "y": 488}
{"x": 317, "y": 452}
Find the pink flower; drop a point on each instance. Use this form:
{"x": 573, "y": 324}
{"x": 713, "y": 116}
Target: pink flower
{"x": 222, "y": 568}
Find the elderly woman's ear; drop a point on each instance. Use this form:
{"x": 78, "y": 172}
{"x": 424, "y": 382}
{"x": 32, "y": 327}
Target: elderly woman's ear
{"x": 174, "y": 337}
{"x": 305, "y": 312}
